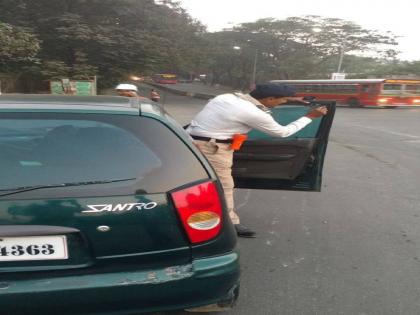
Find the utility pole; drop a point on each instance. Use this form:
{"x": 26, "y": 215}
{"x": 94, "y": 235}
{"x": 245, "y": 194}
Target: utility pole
{"x": 340, "y": 62}
{"x": 254, "y": 70}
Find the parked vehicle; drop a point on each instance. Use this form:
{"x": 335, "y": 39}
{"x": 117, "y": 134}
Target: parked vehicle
{"x": 361, "y": 92}
{"x": 107, "y": 207}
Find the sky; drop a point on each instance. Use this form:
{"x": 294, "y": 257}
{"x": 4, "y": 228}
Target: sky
{"x": 400, "y": 17}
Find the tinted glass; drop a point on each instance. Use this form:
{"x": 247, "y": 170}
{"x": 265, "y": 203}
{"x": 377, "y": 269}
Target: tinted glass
{"x": 286, "y": 114}
{"x": 326, "y": 88}
{"x": 50, "y": 149}
{"x": 348, "y": 88}
{"x": 391, "y": 88}
{"x": 412, "y": 88}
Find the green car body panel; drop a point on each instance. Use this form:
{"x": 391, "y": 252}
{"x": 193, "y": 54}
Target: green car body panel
{"x": 127, "y": 253}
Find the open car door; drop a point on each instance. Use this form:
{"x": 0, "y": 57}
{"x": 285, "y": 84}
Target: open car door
{"x": 292, "y": 163}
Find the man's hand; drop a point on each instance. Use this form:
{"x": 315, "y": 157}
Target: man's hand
{"x": 317, "y": 112}
{"x": 131, "y": 94}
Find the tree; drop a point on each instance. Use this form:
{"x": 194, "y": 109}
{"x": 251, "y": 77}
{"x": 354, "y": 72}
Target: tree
{"x": 18, "y": 53}
{"x": 295, "y": 48}
{"x": 114, "y": 39}
{"x": 110, "y": 38}
{"x": 18, "y": 47}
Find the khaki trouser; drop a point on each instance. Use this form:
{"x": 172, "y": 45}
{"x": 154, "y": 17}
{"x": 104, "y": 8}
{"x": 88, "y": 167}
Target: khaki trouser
{"x": 220, "y": 156}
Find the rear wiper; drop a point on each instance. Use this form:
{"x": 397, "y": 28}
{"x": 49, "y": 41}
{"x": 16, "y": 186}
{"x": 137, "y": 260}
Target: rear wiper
{"x": 17, "y": 190}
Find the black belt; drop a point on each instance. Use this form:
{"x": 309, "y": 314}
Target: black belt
{"x": 208, "y": 139}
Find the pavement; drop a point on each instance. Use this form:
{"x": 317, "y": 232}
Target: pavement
{"x": 202, "y": 91}
{"x": 195, "y": 90}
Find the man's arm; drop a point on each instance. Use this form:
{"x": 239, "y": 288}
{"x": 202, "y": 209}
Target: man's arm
{"x": 266, "y": 123}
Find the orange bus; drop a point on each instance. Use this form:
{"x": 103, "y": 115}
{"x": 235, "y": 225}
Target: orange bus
{"x": 363, "y": 92}
{"x": 165, "y": 78}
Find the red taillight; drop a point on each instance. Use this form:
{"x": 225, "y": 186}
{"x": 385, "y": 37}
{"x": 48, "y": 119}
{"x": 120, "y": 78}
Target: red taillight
{"x": 200, "y": 210}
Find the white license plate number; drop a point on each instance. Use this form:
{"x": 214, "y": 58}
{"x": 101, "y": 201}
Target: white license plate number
{"x": 33, "y": 248}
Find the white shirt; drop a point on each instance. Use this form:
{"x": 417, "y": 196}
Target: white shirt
{"x": 229, "y": 114}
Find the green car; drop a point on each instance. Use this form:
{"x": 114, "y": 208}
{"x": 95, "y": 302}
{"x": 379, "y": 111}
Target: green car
{"x": 106, "y": 206}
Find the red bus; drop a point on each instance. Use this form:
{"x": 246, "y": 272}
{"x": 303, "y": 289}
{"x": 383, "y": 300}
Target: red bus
{"x": 165, "y": 78}
{"x": 363, "y": 92}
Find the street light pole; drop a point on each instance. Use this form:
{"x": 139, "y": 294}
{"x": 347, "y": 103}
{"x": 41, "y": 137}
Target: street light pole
{"x": 254, "y": 70}
{"x": 340, "y": 62}
{"x": 342, "y": 48}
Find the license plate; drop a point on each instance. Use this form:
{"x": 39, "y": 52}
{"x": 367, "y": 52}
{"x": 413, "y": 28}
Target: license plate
{"x": 33, "y": 248}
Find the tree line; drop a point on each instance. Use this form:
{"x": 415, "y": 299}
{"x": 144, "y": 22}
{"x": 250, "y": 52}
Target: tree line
{"x": 114, "y": 39}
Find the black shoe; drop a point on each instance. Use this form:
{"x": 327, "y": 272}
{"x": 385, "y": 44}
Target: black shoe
{"x": 243, "y": 231}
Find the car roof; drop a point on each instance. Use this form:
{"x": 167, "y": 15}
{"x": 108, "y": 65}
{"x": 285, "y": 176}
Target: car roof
{"x": 63, "y": 103}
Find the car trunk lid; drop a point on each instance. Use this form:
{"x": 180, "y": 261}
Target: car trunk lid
{"x": 143, "y": 226}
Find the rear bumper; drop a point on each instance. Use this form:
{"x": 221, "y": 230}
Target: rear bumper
{"x": 205, "y": 281}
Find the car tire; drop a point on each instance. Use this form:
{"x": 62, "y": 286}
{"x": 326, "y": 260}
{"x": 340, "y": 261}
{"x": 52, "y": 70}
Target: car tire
{"x": 353, "y": 102}
{"x": 222, "y": 306}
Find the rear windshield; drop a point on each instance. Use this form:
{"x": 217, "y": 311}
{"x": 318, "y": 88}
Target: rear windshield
{"x": 140, "y": 154}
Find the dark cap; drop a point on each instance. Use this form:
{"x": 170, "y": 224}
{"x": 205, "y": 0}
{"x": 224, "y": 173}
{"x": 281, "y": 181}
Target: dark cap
{"x": 272, "y": 90}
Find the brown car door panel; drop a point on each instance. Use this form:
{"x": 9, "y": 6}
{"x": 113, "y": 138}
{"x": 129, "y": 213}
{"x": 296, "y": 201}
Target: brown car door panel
{"x": 274, "y": 159}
